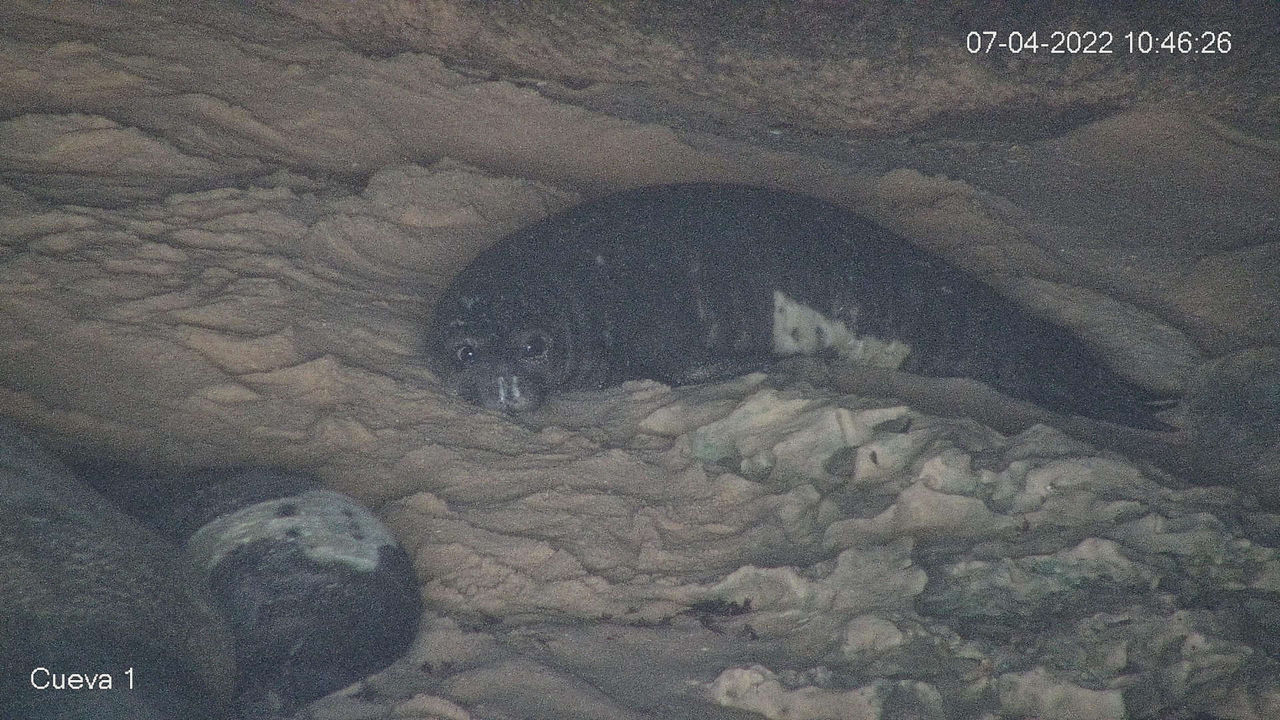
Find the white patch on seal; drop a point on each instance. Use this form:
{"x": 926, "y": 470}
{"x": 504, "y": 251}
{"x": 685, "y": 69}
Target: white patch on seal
{"x": 328, "y": 526}
{"x": 800, "y": 330}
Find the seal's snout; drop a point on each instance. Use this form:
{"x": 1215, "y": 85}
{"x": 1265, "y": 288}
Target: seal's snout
{"x": 507, "y": 393}
{"x": 503, "y": 390}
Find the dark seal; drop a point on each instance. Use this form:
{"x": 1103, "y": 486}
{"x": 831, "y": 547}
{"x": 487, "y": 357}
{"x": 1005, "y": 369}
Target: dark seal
{"x": 689, "y": 283}
{"x": 317, "y": 592}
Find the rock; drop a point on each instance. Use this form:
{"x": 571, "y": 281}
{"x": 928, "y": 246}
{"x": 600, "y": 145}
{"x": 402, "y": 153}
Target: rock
{"x": 91, "y": 597}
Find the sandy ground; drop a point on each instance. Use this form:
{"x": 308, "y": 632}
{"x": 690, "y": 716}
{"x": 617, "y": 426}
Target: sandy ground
{"x": 222, "y": 229}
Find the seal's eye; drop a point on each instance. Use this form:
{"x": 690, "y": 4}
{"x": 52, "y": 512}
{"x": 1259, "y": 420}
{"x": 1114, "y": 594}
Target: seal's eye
{"x": 464, "y": 352}
{"x": 534, "y": 346}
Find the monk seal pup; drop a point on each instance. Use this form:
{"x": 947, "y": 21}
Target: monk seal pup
{"x": 698, "y": 282}
{"x": 317, "y": 592}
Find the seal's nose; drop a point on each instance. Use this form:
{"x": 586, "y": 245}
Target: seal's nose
{"x": 499, "y": 387}
{"x": 510, "y": 393}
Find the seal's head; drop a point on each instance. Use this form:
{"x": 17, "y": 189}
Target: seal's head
{"x": 506, "y": 341}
